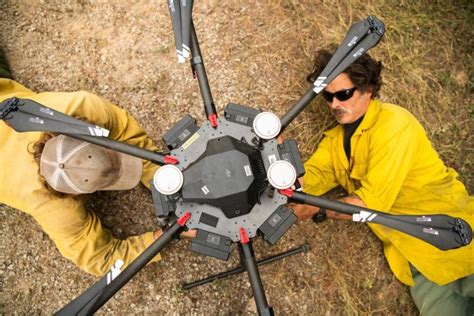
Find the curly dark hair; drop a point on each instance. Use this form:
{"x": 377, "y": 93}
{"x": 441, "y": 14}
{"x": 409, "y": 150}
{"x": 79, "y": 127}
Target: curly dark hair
{"x": 364, "y": 73}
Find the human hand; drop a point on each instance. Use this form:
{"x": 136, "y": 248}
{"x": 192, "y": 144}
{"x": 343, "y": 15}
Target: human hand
{"x": 280, "y": 139}
{"x": 157, "y": 233}
{"x": 189, "y": 234}
{"x": 303, "y": 211}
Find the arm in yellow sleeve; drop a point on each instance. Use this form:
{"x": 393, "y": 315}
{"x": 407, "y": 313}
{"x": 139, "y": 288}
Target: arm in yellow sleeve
{"x": 320, "y": 176}
{"x": 81, "y": 238}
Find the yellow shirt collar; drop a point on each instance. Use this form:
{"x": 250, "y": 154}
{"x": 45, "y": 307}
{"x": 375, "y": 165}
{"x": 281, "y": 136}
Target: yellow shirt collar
{"x": 369, "y": 120}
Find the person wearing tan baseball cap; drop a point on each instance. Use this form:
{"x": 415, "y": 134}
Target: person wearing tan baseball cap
{"x": 44, "y": 176}
{"x": 76, "y": 167}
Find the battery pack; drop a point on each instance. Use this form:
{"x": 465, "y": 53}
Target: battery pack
{"x": 240, "y": 114}
{"x": 277, "y": 224}
{"x": 211, "y": 244}
{"x": 180, "y": 133}
{"x": 289, "y": 151}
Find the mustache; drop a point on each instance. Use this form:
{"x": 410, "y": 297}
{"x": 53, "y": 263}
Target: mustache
{"x": 339, "y": 111}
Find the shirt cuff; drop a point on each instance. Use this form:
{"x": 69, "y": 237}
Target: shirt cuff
{"x": 370, "y": 200}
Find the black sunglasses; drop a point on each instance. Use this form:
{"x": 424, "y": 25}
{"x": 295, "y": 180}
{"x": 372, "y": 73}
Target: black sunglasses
{"x": 341, "y": 95}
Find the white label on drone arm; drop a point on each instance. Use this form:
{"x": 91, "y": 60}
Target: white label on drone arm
{"x": 114, "y": 271}
{"x": 363, "y": 216}
{"x": 423, "y": 219}
{"x": 353, "y": 41}
{"x": 359, "y": 52}
{"x": 205, "y": 190}
{"x": 319, "y": 84}
{"x": 171, "y": 6}
{"x": 46, "y": 111}
{"x": 430, "y": 231}
{"x": 98, "y": 131}
{"x": 36, "y": 120}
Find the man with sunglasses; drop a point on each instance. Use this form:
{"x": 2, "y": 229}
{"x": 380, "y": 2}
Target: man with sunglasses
{"x": 380, "y": 154}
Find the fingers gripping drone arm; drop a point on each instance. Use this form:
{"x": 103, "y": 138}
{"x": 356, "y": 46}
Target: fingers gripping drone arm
{"x": 361, "y": 37}
{"x": 441, "y": 231}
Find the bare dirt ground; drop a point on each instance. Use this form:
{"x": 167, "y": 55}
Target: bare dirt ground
{"x": 256, "y": 53}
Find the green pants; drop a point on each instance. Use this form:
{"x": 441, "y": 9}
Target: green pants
{"x": 453, "y": 299}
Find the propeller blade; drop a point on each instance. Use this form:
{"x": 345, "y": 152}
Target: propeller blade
{"x": 83, "y": 300}
{"x": 441, "y": 238}
{"x": 452, "y": 232}
{"x": 186, "y": 16}
{"x": 360, "y": 38}
{"x": 17, "y": 114}
{"x": 25, "y": 115}
{"x": 175, "y": 12}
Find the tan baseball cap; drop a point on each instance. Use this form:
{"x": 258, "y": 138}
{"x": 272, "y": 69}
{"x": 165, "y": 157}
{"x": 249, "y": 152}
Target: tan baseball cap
{"x": 77, "y": 167}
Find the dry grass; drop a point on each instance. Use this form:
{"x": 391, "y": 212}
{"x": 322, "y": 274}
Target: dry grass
{"x": 257, "y": 53}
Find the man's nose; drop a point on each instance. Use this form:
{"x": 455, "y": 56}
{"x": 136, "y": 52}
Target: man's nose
{"x": 334, "y": 104}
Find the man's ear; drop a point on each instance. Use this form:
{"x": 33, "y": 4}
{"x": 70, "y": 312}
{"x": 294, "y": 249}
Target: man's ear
{"x": 369, "y": 92}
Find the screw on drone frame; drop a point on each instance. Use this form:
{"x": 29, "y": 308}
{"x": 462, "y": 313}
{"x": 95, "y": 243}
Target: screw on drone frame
{"x": 441, "y": 231}
{"x": 359, "y": 39}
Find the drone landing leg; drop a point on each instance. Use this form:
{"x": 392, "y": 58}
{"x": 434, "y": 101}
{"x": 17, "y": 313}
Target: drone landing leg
{"x": 240, "y": 269}
{"x": 247, "y": 257}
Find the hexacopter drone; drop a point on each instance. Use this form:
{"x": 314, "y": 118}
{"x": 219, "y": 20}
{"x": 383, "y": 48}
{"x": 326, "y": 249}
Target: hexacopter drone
{"x": 229, "y": 179}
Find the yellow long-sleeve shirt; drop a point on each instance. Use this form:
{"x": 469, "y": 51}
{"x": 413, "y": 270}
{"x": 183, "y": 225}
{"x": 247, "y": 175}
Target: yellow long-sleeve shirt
{"x": 394, "y": 168}
{"x": 77, "y": 233}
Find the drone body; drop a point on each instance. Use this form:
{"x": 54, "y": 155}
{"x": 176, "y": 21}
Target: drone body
{"x": 225, "y": 181}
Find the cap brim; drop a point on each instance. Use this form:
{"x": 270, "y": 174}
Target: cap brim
{"x": 131, "y": 169}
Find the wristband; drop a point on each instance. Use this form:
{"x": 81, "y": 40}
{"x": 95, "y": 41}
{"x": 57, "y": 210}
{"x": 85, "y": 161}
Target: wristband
{"x": 320, "y": 216}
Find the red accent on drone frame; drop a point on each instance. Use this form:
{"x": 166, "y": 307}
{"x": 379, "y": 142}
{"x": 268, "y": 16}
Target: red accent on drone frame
{"x": 213, "y": 119}
{"x": 183, "y": 219}
{"x": 244, "y": 238}
{"x": 171, "y": 160}
{"x": 286, "y": 192}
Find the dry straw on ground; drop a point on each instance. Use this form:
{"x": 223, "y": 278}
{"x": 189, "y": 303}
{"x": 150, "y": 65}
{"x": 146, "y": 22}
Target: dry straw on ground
{"x": 257, "y": 53}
